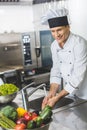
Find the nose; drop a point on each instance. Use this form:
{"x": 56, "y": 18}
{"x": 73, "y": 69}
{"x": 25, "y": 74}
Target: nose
{"x": 56, "y": 34}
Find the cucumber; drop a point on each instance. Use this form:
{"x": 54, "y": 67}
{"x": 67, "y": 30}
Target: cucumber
{"x": 45, "y": 109}
{"x": 46, "y": 113}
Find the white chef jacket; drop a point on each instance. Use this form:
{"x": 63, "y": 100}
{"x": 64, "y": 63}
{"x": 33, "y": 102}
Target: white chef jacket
{"x": 70, "y": 63}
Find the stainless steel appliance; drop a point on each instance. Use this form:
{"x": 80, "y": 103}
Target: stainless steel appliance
{"x": 25, "y": 55}
{"x": 18, "y": 49}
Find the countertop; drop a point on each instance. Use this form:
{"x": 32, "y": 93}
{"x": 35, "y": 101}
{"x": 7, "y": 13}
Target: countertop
{"x": 6, "y": 69}
{"x": 73, "y": 118}
{"x": 37, "y": 94}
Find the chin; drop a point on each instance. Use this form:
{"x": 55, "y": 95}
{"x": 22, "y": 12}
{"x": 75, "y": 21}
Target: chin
{"x": 59, "y": 41}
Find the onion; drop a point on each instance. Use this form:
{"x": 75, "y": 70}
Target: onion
{"x": 21, "y": 120}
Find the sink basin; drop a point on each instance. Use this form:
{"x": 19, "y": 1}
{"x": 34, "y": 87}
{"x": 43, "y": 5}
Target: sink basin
{"x": 36, "y": 103}
{"x": 63, "y": 102}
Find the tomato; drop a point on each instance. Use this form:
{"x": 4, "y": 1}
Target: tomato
{"x": 28, "y": 116}
{"x": 21, "y": 126}
{"x": 34, "y": 115}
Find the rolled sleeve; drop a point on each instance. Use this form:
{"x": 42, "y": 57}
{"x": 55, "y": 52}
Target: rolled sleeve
{"x": 69, "y": 88}
{"x": 55, "y": 80}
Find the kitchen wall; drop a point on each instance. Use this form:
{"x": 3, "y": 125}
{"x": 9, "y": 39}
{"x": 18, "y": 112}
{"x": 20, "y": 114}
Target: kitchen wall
{"x": 27, "y": 18}
{"x": 77, "y": 11}
{"x": 16, "y": 18}
{"x": 78, "y": 16}
{"x": 40, "y": 9}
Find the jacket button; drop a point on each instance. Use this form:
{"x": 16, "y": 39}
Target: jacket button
{"x": 60, "y": 61}
{"x": 65, "y": 82}
{"x": 69, "y": 51}
{"x": 70, "y": 63}
{"x": 68, "y": 75}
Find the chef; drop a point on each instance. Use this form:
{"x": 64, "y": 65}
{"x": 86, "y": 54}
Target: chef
{"x": 69, "y": 56}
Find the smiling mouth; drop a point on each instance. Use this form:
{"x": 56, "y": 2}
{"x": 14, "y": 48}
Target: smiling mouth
{"x": 59, "y": 38}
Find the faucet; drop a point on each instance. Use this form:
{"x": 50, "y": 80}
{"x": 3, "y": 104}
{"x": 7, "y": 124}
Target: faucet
{"x": 25, "y": 95}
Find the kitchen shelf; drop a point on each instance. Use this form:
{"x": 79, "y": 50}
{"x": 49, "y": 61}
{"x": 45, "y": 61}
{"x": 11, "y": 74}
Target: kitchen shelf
{"x": 28, "y": 2}
{"x": 23, "y": 3}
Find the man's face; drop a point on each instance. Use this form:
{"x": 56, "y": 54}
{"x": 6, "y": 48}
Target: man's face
{"x": 60, "y": 33}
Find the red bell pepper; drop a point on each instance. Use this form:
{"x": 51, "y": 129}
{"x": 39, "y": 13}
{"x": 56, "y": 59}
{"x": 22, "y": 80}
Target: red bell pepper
{"x": 28, "y": 116}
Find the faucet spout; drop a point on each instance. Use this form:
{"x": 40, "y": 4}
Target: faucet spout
{"x": 38, "y": 87}
{"x": 25, "y": 95}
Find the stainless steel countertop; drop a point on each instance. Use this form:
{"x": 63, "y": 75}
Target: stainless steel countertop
{"x": 70, "y": 117}
{"x": 73, "y": 117}
{"x": 4, "y": 69}
{"x": 38, "y": 76}
{"x": 37, "y": 94}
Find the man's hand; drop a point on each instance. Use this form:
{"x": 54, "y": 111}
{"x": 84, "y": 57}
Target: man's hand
{"x": 51, "y": 100}
{"x": 52, "y": 92}
{"x": 45, "y": 100}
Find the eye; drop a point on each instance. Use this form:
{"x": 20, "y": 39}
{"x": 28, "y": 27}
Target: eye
{"x": 59, "y": 30}
{"x": 52, "y": 31}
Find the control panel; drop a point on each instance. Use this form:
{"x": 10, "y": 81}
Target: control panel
{"x": 26, "y": 49}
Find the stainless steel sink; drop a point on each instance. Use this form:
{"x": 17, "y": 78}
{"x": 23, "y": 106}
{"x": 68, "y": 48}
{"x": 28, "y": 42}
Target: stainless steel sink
{"x": 36, "y": 103}
{"x": 63, "y": 102}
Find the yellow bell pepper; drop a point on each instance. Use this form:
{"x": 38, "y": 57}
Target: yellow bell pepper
{"x": 21, "y": 111}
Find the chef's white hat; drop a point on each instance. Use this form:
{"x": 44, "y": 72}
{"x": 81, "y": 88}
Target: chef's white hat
{"x": 55, "y": 17}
